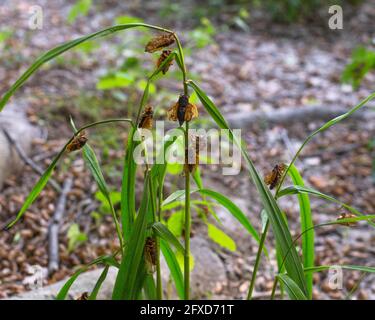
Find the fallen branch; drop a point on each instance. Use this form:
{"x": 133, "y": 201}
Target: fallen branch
{"x": 53, "y": 229}
{"x": 22, "y": 154}
{"x": 289, "y": 115}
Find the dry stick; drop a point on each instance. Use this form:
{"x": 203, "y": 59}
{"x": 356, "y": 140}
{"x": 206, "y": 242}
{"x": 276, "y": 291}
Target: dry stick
{"x": 53, "y": 229}
{"x": 22, "y": 154}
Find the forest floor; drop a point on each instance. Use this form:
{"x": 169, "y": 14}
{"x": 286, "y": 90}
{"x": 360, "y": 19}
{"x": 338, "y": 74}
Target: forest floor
{"x": 269, "y": 67}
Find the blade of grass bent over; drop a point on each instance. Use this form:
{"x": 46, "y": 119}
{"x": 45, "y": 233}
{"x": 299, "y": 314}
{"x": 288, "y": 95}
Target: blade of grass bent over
{"x": 39, "y": 186}
{"x": 282, "y": 234}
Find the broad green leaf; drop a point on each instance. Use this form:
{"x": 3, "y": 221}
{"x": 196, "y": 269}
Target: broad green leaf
{"x": 175, "y": 223}
{"x": 75, "y": 237}
{"x": 306, "y": 223}
{"x": 80, "y": 8}
{"x": 293, "y": 290}
{"x": 220, "y": 237}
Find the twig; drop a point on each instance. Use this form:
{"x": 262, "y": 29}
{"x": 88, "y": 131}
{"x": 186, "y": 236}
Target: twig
{"x": 53, "y": 229}
{"x": 287, "y": 116}
{"x": 28, "y": 160}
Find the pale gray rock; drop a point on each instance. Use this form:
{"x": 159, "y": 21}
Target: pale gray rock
{"x": 14, "y": 121}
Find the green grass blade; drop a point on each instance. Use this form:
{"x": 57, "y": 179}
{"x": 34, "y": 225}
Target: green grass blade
{"x": 348, "y": 267}
{"x": 99, "y": 283}
{"x": 55, "y": 52}
{"x": 174, "y": 267}
{"x": 222, "y": 200}
{"x": 163, "y": 232}
{"x": 39, "y": 186}
{"x": 66, "y": 287}
{"x": 128, "y": 188}
{"x": 149, "y": 287}
{"x": 323, "y": 128}
{"x": 306, "y": 223}
{"x": 293, "y": 290}
{"x": 132, "y": 260}
{"x": 282, "y": 234}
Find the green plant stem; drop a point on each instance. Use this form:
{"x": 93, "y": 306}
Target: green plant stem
{"x": 117, "y": 224}
{"x": 187, "y": 218}
{"x": 257, "y": 260}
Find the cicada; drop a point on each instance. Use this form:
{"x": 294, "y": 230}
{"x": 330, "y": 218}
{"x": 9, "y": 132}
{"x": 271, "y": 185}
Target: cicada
{"x": 146, "y": 119}
{"x": 182, "y": 110}
{"x": 164, "y": 56}
{"x": 150, "y": 254}
{"x": 273, "y": 178}
{"x": 192, "y": 165}
{"x": 159, "y": 42}
{"x": 77, "y": 143}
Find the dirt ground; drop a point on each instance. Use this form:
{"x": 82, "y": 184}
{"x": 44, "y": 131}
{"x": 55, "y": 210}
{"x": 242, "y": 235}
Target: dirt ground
{"x": 269, "y": 67}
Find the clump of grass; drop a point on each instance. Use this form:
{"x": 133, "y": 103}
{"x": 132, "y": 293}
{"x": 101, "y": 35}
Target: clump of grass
{"x": 142, "y": 231}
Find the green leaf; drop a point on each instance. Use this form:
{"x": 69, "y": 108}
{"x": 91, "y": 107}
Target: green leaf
{"x": 220, "y": 237}
{"x": 224, "y": 201}
{"x": 283, "y": 237}
{"x": 174, "y": 267}
{"x": 132, "y": 260}
{"x": 39, "y": 186}
{"x": 128, "y": 187}
{"x": 162, "y": 231}
{"x": 127, "y": 19}
{"x": 306, "y": 223}
{"x": 175, "y": 223}
{"x": 290, "y": 190}
{"x": 117, "y": 80}
{"x": 99, "y": 283}
{"x": 75, "y": 237}
{"x": 60, "y": 49}
{"x": 80, "y": 8}
{"x": 324, "y": 127}
{"x": 348, "y": 267}
{"x": 108, "y": 260}
{"x": 293, "y": 290}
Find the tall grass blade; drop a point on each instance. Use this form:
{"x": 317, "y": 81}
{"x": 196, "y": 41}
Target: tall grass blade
{"x": 293, "y": 290}
{"x": 132, "y": 260}
{"x": 99, "y": 283}
{"x": 306, "y": 223}
{"x": 174, "y": 267}
{"x": 55, "y": 52}
{"x": 163, "y": 232}
{"x": 39, "y": 186}
{"x": 282, "y": 234}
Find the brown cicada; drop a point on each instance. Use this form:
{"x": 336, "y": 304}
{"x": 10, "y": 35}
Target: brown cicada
{"x": 273, "y": 178}
{"x": 77, "y": 143}
{"x": 150, "y": 254}
{"x": 159, "y": 42}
